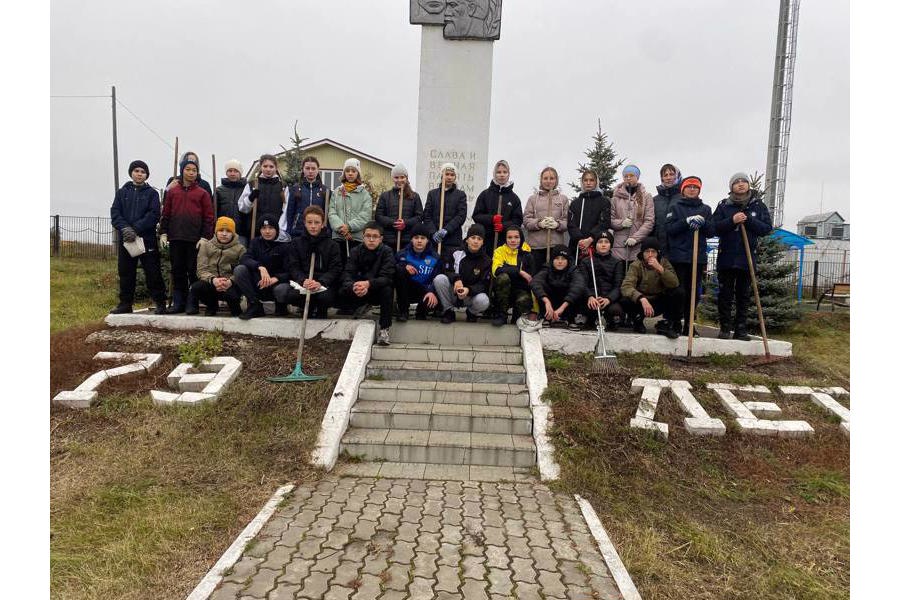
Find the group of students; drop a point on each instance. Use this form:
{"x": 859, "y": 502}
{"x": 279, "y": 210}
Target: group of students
{"x": 628, "y": 257}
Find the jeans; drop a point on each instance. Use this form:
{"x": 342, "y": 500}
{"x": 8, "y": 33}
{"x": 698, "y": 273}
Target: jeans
{"x": 247, "y": 281}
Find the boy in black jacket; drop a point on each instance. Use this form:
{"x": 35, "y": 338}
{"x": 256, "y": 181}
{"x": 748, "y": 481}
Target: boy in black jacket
{"x": 609, "y": 272}
{"x": 135, "y": 212}
{"x": 466, "y": 281}
{"x": 368, "y": 278}
{"x": 589, "y": 215}
{"x": 262, "y": 268}
{"x": 560, "y": 288}
{"x": 315, "y": 239}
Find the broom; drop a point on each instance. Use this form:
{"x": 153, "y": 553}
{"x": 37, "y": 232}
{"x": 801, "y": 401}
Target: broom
{"x": 604, "y": 362}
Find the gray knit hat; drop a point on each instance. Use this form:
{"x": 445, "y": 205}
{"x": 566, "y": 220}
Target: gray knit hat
{"x": 737, "y": 177}
{"x": 399, "y": 169}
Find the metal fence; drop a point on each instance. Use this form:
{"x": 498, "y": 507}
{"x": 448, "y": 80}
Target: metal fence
{"x": 82, "y": 237}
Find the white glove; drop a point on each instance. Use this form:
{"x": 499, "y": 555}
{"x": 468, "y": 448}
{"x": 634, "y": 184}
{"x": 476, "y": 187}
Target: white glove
{"x": 630, "y": 242}
{"x": 164, "y": 241}
{"x": 549, "y": 223}
{"x": 627, "y": 222}
{"x": 695, "y": 222}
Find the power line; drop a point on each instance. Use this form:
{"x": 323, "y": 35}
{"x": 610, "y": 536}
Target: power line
{"x": 141, "y": 121}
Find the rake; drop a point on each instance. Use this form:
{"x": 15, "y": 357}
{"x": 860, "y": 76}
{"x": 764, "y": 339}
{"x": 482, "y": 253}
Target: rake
{"x": 604, "y": 361}
{"x": 297, "y": 374}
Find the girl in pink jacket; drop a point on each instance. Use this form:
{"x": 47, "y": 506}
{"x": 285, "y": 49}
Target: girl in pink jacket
{"x": 632, "y": 215}
{"x": 546, "y": 217}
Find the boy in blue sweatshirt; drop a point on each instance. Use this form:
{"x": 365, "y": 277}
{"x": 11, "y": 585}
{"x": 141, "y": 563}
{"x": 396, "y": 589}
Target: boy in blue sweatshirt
{"x": 417, "y": 266}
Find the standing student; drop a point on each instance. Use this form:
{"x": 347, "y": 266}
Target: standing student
{"x": 173, "y": 181}
{"x": 187, "y": 217}
{"x": 687, "y": 215}
{"x": 388, "y": 214}
{"x": 417, "y": 266}
{"x": 609, "y": 273}
{"x": 216, "y": 260}
{"x": 327, "y": 269}
{"x": 229, "y": 191}
{"x": 651, "y": 287}
{"x": 668, "y": 193}
{"x": 632, "y": 215}
{"x": 309, "y": 191}
{"x": 466, "y": 280}
{"x": 368, "y": 278}
{"x": 743, "y": 206}
{"x": 447, "y": 228}
{"x": 546, "y": 216}
{"x": 589, "y": 215}
{"x": 495, "y": 219}
{"x": 513, "y": 266}
{"x": 135, "y": 212}
{"x": 263, "y": 267}
{"x": 560, "y": 288}
{"x": 266, "y": 195}
{"x": 350, "y": 208}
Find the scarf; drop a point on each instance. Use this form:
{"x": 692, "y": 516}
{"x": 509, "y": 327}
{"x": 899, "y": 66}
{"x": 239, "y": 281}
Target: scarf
{"x": 350, "y": 187}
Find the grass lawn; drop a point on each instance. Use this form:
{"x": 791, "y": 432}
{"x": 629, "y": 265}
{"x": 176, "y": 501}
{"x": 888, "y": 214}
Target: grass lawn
{"x": 81, "y": 291}
{"x": 736, "y": 517}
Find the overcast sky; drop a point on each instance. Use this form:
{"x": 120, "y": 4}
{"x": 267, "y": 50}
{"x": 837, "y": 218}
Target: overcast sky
{"x": 687, "y": 82}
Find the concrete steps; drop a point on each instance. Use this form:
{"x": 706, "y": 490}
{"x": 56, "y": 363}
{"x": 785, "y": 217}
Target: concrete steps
{"x": 490, "y": 394}
{"x": 424, "y": 416}
{"x": 488, "y": 355}
{"x": 462, "y": 372}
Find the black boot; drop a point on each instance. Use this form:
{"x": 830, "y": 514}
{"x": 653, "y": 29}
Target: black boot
{"x": 403, "y": 315}
{"x": 449, "y": 316}
{"x": 470, "y": 318}
{"x": 120, "y": 309}
{"x": 160, "y": 308}
{"x": 724, "y": 334}
{"x": 177, "y": 303}
{"x": 234, "y": 306}
{"x": 500, "y": 319}
{"x": 740, "y": 333}
{"x": 253, "y": 310}
{"x": 281, "y": 309}
{"x": 638, "y": 325}
{"x": 421, "y": 311}
{"x": 193, "y": 305}
{"x": 666, "y": 328}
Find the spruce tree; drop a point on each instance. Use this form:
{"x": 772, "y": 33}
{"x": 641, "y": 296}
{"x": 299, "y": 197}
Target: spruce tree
{"x": 602, "y": 159}
{"x": 293, "y": 167}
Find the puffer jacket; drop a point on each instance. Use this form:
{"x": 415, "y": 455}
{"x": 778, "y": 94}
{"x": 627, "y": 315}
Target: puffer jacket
{"x": 455, "y": 208}
{"x": 732, "y": 254}
{"x": 137, "y": 207}
{"x": 681, "y": 236}
{"x": 268, "y": 193}
{"x": 327, "y": 267}
{"x": 375, "y": 266}
{"x": 540, "y": 205}
{"x": 486, "y": 208}
{"x": 610, "y": 272}
{"x": 509, "y": 261}
{"x": 570, "y": 280}
{"x": 355, "y": 207}
{"x": 589, "y": 215}
{"x": 638, "y": 206}
{"x": 187, "y": 214}
{"x": 299, "y": 198}
{"x": 473, "y": 269}
{"x": 663, "y": 201}
{"x": 387, "y": 211}
{"x": 642, "y": 281}
{"x": 268, "y": 254}
{"x": 227, "y": 195}
{"x": 215, "y": 259}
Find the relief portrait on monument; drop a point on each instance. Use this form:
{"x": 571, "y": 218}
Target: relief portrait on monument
{"x": 462, "y": 19}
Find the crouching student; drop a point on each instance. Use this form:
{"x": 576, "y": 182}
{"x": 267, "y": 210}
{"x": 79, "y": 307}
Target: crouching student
{"x": 262, "y": 268}
{"x": 686, "y": 215}
{"x": 327, "y": 268}
{"x": 216, "y": 259}
{"x": 466, "y": 280}
{"x": 560, "y": 288}
{"x": 368, "y": 278}
{"x": 651, "y": 287}
{"x": 135, "y": 212}
{"x": 417, "y": 266}
{"x": 603, "y": 274}
{"x": 513, "y": 267}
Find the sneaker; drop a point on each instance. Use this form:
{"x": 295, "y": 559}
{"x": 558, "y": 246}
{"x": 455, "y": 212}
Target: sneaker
{"x": 449, "y": 316}
{"x": 638, "y": 326}
{"x": 254, "y": 310}
{"x": 581, "y": 320}
{"x": 121, "y": 309}
{"x": 384, "y": 337}
{"x": 499, "y": 320}
{"x": 524, "y": 323}
{"x": 724, "y": 334}
{"x": 740, "y": 334}
{"x": 361, "y": 311}
{"x": 561, "y": 324}
{"x": 574, "y": 325}
{"x": 470, "y": 318}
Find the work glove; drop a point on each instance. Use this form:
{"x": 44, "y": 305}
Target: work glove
{"x": 630, "y": 242}
{"x": 548, "y": 223}
{"x": 399, "y": 225}
{"x": 695, "y": 222}
{"x": 164, "y": 241}
{"x": 128, "y": 234}
{"x": 627, "y": 222}
{"x": 498, "y": 226}
{"x": 254, "y": 194}
{"x": 439, "y": 236}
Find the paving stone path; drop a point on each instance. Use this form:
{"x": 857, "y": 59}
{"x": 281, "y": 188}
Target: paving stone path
{"x": 364, "y": 538}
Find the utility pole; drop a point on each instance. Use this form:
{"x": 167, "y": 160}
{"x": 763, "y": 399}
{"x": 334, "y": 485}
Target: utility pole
{"x": 115, "y": 141}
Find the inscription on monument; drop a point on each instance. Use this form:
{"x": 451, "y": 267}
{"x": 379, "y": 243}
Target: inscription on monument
{"x": 466, "y": 164}
{"x": 462, "y": 19}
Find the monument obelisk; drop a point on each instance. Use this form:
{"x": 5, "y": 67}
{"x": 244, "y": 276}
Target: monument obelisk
{"x": 455, "y": 71}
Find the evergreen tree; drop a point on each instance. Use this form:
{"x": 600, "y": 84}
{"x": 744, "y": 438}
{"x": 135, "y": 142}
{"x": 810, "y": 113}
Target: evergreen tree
{"x": 602, "y": 159}
{"x": 293, "y": 168}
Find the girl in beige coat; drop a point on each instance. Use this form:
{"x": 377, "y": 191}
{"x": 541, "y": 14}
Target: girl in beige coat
{"x": 632, "y": 215}
{"x": 545, "y": 217}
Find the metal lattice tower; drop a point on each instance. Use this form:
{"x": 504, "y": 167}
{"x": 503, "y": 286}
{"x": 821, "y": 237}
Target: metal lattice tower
{"x": 780, "y": 119}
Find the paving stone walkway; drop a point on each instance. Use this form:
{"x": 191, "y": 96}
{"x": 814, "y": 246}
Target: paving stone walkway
{"x": 364, "y": 538}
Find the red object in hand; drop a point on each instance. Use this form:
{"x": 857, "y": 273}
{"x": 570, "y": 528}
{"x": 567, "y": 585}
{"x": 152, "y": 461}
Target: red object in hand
{"x": 497, "y": 219}
{"x": 399, "y": 225}
{"x": 498, "y": 226}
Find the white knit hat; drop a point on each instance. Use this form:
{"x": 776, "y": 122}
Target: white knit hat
{"x": 352, "y": 163}
{"x": 448, "y": 167}
{"x": 399, "y": 169}
{"x": 234, "y": 164}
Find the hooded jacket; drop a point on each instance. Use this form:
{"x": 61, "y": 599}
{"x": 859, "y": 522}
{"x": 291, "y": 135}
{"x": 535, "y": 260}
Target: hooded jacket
{"x": 215, "y": 259}
{"x": 227, "y": 195}
{"x": 509, "y": 261}
{"x": 427, "y": 263}
{"x": 642, "y": 281}
{"x": 486, "y": 208}
{"x": 268, "y": 254}
{"x": 589, "y": 214}
{"x": 388, "y": 210}
{"x": 455, "y": 208}
{"x": 663, "y": 202}
{"x": 355, "y": 206}
{"x": 137, "y": 207}
{"x": 269, "y": 197}
{"x": 299, "y": 197}
{"x": 473, "y": 269}
{"x": 327, "y": 268}
{"x": 553, "y": 282}
{"x": 681, "y": 236}
{"x": 187, "y": 214}
{"x": 731, "y": 243}
{"x": 638, "y": 206}
{"x": 375, "y": 266}
{"x": 542, "y": 204}
{"x": 610, "y": 272}
{"x": 200, "y": 181}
